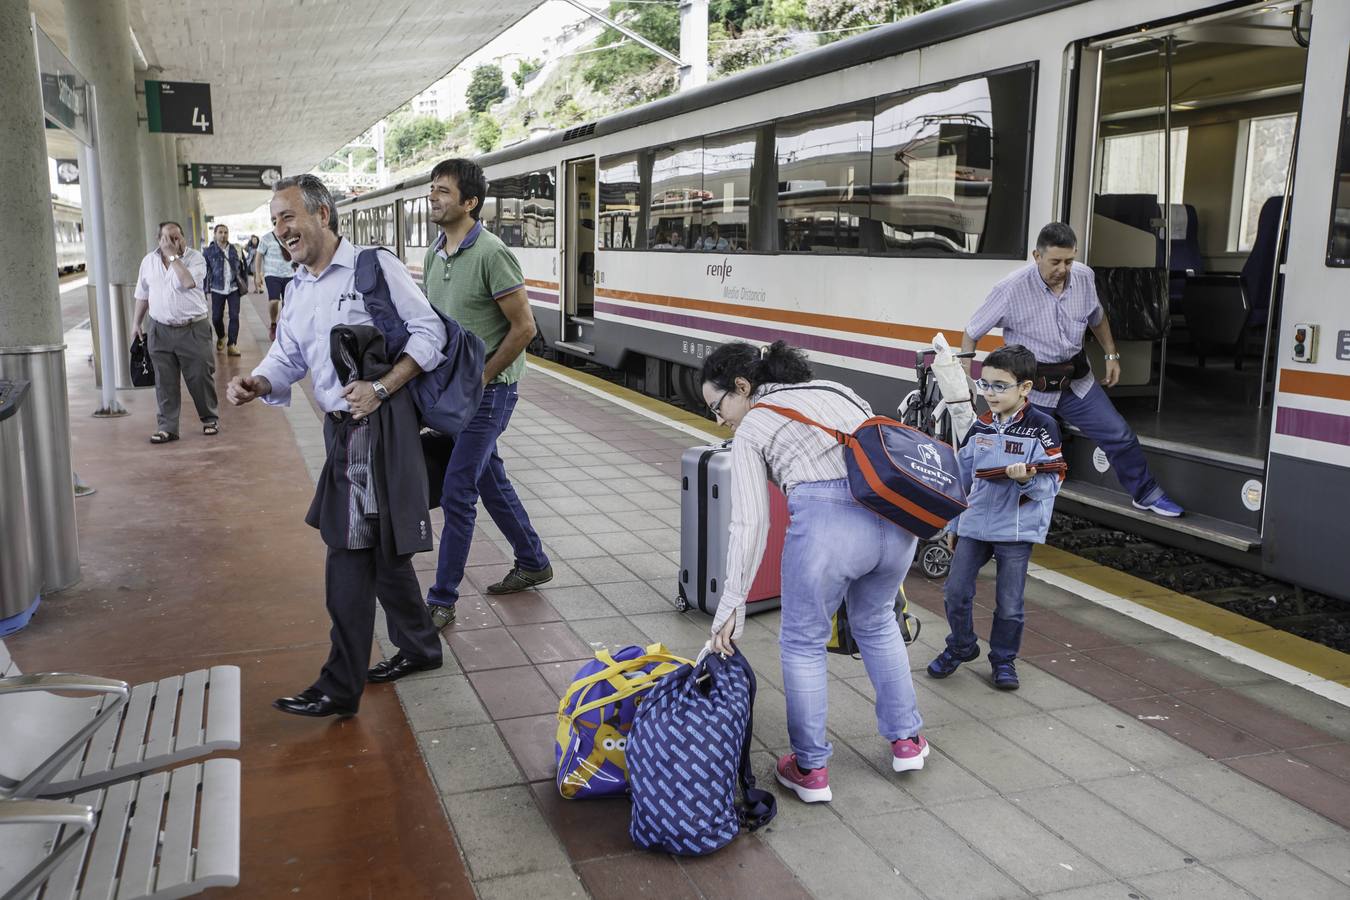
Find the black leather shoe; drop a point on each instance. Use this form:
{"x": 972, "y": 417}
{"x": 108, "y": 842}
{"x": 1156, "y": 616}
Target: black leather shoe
{"x": 312, "y": 702}
{"x": 395, "y": 667}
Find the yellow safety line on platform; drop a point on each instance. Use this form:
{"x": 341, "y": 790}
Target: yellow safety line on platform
{"x": 674, "y": 413}
{"x": 1302, "y": 653}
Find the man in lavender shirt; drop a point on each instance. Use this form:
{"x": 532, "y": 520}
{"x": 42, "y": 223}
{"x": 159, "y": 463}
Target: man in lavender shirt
{"x": 1048, "y": 306}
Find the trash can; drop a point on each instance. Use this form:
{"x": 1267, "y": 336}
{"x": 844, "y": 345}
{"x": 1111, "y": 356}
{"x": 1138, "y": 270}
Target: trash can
{"x": 20, "y": 576}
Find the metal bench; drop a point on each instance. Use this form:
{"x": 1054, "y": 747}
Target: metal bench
{"x": 57, "y": 744}
{"x": 165, "y": 835}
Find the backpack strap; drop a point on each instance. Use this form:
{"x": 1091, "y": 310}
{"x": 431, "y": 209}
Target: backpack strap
{"x": 840, "y": 436}
{"x": 757, "y": 807}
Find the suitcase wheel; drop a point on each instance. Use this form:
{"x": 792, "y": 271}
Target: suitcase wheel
{"x": 681, "y": 602}
{"x": 935, "y": 559}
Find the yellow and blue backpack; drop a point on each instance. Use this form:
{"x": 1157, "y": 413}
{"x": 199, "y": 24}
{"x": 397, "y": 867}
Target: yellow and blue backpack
{"x": 596, "y": 715}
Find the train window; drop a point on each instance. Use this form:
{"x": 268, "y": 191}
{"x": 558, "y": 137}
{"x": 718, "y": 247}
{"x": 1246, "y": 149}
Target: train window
{"x": 489, "y": 214}
{"x": 949, "y": 168}
{"x": 1263, "y": 156}
{"x": 510, "y": 196}
{"x": 824, "y": 169}
{"x": 414, "y": 226}
{"x": 675, "y": 219}
{"x": 620, "y": 201}
{"x": 1338, "y": 242}
{"x": 1133, "y": 163}
{"x": 727, "y": 163}
{"x": 539, "y": 212}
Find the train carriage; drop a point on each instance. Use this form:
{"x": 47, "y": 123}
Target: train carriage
{"x": 868, "y": 194}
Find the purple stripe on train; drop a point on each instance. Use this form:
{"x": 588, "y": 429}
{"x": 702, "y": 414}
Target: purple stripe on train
{"x": 542, "y": 297}
{"x": 894, "y": 356}
{"x": 1315, "y": 426}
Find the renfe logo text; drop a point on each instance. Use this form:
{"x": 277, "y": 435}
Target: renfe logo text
{"x": 720, "y": 270}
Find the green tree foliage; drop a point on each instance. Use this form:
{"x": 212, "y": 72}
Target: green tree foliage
{"x": 838, "y": 16}
{"x": 407, "y": 136}
{"x": 658, "y": 23}
{"x": 524, "y": 69}
{"x": 753, "y": 47}
{"x": 487, "y": 131}
{"x": 485, "y": 88}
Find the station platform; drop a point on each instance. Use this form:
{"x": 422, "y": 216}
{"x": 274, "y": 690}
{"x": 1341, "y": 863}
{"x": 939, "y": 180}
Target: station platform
{"x": 1137, "y": 760}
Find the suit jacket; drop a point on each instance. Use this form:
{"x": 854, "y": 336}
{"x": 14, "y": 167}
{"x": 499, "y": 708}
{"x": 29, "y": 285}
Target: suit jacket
{"x": 397, "y": 469}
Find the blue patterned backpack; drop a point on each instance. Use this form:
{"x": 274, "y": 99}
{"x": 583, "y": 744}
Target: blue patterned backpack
{"x": 689, "y": 753}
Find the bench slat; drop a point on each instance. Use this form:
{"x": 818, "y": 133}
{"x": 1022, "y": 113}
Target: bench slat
{"x": 132, "y": 741}
{"x": 98, "y": 758}
{"x": 163, "y": 719}
{"x": 189, "y": 732}
{"x": 222, "y": 720}
{"x": 100, "y": 875}
{"x": 142, "y": 846}
{"x": 175, "y": 857}
{"x": 218, "y": 831}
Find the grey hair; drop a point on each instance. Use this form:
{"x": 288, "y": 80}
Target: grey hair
{"x": 1056, "y": 234}
{"x": 315, "y": 193}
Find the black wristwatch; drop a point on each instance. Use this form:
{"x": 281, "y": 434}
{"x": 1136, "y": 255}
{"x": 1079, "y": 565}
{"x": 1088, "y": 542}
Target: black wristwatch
{"x": 380, "y": 391}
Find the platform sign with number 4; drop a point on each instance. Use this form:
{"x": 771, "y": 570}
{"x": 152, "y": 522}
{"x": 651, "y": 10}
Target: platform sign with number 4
{"x": 179, "y": 107}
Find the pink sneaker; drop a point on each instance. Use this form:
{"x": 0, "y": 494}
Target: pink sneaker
{"x": 813, "y": 788}
{"x": 908, "y": 754}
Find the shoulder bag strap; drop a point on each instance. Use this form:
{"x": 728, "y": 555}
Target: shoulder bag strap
{"x": 840, "y": 436}
{"x": 757, "y": 807}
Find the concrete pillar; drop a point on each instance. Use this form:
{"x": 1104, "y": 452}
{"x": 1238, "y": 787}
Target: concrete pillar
{"x": 30, "y": 308}
{"x": 100, "y": 45}
{"x": 160, "y": 200}
{"x": 31, "y": 346}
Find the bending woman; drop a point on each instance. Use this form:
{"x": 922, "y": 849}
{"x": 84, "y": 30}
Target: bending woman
{"x": 836, "y": 549}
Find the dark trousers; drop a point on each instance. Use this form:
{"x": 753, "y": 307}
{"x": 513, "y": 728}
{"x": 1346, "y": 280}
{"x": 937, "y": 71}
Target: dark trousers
{"x": 1096, "y": 416}
{"x": 476, "y": 470}
{"x": 218, "y": 302}
{"x": 1005, "y": 637}
{"x": 353, "y": 581}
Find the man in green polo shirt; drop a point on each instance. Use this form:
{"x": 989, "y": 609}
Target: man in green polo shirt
{"x": 473, "y": 278}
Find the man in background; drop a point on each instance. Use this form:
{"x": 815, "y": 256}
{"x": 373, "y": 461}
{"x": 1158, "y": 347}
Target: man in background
{"x": 224, "y": 280}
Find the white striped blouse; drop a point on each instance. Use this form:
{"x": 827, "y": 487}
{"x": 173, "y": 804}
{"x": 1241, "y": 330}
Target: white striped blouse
{"x": 767, "y": 447}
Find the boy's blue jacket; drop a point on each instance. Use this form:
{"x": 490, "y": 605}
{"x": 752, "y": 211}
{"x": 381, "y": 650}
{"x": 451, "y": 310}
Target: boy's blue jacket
{"x": 1001, "y": 509}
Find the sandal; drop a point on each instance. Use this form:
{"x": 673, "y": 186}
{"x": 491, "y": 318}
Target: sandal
{"x": 210, "y": 428}
{"x": 163, "y": 437}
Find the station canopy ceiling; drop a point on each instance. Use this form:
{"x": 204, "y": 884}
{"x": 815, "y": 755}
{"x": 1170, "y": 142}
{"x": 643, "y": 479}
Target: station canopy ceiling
{"x": 292, "y": 82}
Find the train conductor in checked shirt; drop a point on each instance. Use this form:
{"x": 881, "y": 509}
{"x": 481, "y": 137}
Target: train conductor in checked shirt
{"x": 363, "y": 561}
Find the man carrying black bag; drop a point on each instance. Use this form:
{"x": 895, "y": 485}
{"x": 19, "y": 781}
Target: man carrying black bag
{"x": 370, "y": 504}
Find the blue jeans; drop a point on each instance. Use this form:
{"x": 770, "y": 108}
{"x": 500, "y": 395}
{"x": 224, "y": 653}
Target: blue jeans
{"x": 218, "y": 302}
{"x": 1098, "y": 419}
{"x": 475, "y": 470}
{"x": 1005, "y": 638}
{"x": 838, "y": 549}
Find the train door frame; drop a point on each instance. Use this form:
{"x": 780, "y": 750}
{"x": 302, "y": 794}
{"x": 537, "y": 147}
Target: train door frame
{"x": 1079, "y": 159}
{"x": 576, "y": 323}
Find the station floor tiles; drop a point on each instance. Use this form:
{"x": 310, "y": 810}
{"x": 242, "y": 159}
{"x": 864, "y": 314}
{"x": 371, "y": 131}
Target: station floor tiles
{"x": 1131, "y": 764}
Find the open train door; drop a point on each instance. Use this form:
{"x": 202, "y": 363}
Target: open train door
{"x": 1177, "y": 177}
{"x": 577, "y": 258}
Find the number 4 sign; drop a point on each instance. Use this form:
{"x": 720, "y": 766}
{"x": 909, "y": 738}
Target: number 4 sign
{"x": 178, "y": 107}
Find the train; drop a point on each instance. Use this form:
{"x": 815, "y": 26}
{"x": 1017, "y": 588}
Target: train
{"x": 68, "y": 223}
{"x": 861, "y": 197}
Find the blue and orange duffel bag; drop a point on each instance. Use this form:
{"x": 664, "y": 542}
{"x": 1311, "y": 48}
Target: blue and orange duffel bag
{"x": 596, "y": 715}
{"x": 896, "y": 471}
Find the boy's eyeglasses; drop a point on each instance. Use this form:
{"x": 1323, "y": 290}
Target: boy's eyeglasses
{"x": 994, "y": 387}
{"x": 716, "y": 408}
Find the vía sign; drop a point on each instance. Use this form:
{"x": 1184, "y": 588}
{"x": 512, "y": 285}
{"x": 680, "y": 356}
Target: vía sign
{"x": 179, "y": 107}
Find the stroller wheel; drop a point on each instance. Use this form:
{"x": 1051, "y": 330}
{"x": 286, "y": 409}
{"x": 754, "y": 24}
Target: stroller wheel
{"x": 935, "y": 559}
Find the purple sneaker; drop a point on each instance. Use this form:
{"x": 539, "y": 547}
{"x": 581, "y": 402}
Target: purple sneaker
{"x": 908, "y": 754}
{"x": 812, "y": 788}
{"x": 1163, "y": 506}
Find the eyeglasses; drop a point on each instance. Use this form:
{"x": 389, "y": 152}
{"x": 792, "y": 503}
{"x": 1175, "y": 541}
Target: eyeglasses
{"x": 994, "y": 387}
{"x": 716, "y": 408}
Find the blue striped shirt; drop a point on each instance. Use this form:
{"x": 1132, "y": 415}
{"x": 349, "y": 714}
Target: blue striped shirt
{"x": 1050, "y": 326}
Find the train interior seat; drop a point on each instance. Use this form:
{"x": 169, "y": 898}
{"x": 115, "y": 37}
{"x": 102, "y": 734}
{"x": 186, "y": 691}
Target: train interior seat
{"x": 1260, "y": 264}
{"x": 1216, "y": 314}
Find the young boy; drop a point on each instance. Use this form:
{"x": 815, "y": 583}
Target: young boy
{"x": 1011, "y": 464}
